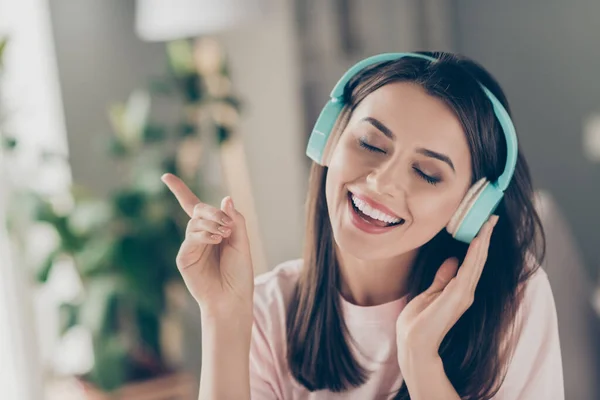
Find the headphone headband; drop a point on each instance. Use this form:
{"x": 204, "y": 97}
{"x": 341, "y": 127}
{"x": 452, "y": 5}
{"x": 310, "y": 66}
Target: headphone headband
{"x": 499, "y": 110}
{"x": 483, "y": 197}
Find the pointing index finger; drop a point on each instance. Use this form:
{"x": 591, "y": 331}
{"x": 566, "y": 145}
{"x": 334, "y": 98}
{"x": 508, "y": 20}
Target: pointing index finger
{"x": 186, "y": 198}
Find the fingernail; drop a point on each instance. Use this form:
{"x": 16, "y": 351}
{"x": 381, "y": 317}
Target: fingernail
{"x": 215, "y": 237}
{"x": 224, "y": 230}
{"x": 227, "y": 220}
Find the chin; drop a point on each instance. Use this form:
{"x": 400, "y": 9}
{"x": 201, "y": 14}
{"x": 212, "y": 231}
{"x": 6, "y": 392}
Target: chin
{"x": 359, "y": 247}
{"x": 366, "y": 246}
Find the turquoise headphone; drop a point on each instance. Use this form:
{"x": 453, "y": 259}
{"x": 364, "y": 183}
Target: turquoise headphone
{"x": 482, "y": 198}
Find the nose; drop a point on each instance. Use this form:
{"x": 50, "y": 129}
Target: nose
{"x": 387, "y": 179}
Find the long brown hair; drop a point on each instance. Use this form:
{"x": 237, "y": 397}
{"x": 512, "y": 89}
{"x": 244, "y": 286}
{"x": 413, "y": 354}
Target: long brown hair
{"x": 474, "y": 351}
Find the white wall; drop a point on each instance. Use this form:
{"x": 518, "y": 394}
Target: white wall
{"x": 100, "y": 61}
{"x": 264, "y": 66}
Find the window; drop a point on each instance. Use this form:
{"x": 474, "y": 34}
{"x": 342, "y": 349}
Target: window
{"x": 32, "y": 112}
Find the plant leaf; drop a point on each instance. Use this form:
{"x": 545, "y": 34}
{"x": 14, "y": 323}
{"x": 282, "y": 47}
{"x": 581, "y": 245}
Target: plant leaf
{"x": 223, "y": 134}
{"x": 88, "y": 216}
{"x": 9, "y": 143}
{"x": 180, "y": 57}
{"x": 161, "y": 86}
{"x": 3, "y": 43}
{"x": 186, "y": 129}
{"x": 111, "y": 363}
{"x": 95, "y": 310}
{"x": 129, "y": 203}
{"x": 96, "y": 255}
{"x": 68, "y": 316}
{"x": 154, "y": 133}
{"x": 136, "y": 258}
{"x": 43, "y": 271}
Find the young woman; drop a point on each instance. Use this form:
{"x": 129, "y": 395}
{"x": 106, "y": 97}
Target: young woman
{"x": 393, "y": 298}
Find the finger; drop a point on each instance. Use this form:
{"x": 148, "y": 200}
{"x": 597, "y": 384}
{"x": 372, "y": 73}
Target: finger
{"x": 193, "y": 247}
{"x": 459, "y": 294}
{"x": 204, "y": 225}
{"x": 186, "y": 198}
{"x": 228, "y": 208}
{"x": 239, "y": 235}
{"x": 483, "y": 254}
{"x": 447, "y": 308}
{"x": 444, "y": 274}
{"x": 204, "y": 237}
{"x": 472, "y": 267}
{"x": 208, "y": 212}
{"x": 466, "y": 268}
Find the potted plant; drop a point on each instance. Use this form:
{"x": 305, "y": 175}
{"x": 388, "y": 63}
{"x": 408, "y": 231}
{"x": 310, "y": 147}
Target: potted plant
{"x": 123, "y": 247}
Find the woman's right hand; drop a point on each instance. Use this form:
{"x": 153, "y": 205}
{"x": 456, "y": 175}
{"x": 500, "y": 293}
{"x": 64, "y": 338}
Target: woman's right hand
{"x": 214, "y": 259}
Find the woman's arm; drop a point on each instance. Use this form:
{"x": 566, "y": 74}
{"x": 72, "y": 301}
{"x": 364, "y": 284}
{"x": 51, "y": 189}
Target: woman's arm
{"x": 426, "y": 319}
{"x": 226, "y": 356}
{"x": 428, "y": 380}
{"x": 215, "y": 263}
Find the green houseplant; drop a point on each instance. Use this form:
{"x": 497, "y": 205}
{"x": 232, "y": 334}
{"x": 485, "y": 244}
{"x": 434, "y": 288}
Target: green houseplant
{"x": 124, "y": 246}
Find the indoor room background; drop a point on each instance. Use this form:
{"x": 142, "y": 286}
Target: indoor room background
{"x": 75, "y": 75}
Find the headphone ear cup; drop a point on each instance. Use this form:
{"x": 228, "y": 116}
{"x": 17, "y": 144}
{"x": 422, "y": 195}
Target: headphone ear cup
{"x": 465, "y": 205}
{"x": 482, "y": 205}
{"x": 317, "y": 148}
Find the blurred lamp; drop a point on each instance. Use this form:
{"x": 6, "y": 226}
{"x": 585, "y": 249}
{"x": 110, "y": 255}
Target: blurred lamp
{"x": 166, "y": 20}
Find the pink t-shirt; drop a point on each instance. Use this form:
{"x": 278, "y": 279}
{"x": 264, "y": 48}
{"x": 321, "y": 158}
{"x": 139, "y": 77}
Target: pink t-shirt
{"x": 534, "y": 373}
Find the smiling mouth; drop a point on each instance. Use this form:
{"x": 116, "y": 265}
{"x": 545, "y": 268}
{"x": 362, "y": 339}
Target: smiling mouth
{"x": 376, "y": 218}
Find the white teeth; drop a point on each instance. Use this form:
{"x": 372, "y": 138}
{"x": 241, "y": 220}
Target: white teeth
{"x": 371, "y": 212}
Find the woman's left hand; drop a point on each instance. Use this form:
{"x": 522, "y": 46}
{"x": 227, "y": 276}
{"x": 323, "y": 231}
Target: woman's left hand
{"x": 426, "y": 319}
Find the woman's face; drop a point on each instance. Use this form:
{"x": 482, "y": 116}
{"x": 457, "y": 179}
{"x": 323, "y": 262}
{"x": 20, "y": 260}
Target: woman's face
{"x": 397, "y": 174}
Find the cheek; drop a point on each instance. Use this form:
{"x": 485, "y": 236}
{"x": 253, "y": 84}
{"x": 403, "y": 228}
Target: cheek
{"x": 434, "y": 210}
{"x": 348, "y": 162}
{"x": 334, "y": 183}
{"x": 339, "y": 158}
{"x": 342, "y": 169}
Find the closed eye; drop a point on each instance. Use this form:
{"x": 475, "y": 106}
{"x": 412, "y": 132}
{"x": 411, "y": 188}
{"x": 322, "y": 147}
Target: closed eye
{"x": 429, "y": 179}
{"x": 363, "y": 143}
{"x": 432, "y": 180}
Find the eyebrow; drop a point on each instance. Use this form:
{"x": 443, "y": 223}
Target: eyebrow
{"x": 426, "y": 152}
{"x": 377, "y": 124}
{"x": 439, "y": 156}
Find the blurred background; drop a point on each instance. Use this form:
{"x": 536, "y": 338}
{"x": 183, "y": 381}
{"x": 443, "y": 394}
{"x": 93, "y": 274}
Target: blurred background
{"x": 99, "y": 98}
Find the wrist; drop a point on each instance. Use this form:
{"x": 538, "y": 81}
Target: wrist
{"x": 234, "y": 315}
{"x": 226, "y": 341}
{"x": 427, "y": 379}
{"x": 410, "y": 357}
{"x": 414, "y": 365}
{"x": 226, "y": 337}
{"x": 235, "y": 335}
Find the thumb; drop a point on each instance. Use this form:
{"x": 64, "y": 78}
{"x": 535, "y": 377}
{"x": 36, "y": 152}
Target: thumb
{"x": 228, "y": 208}
{"x": 444, "y": 275}
{"x": 239, "y": 236}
